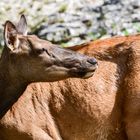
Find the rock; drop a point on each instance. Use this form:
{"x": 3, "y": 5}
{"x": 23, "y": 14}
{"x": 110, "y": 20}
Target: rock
{"x": 69, "y": 22}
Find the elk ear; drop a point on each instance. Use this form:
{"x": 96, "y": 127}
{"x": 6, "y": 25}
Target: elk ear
{"x": 22, "y": 25}
{"x": 10, "y": 35}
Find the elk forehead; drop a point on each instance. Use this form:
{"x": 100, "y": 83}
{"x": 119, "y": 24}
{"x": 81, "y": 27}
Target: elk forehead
{"x": 32, "y": 42}
{"x": 38, "y": 43}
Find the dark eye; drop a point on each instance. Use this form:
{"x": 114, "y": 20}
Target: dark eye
{"x": 43, "y": 50}
{"x": 39, "y": 51}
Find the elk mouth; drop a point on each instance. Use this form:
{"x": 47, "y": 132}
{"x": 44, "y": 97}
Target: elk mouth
{"x": 89, "y": 74}
{"x": 83, "y": 72}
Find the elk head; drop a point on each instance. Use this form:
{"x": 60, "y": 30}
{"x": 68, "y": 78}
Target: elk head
{"x": 35, "y": 60}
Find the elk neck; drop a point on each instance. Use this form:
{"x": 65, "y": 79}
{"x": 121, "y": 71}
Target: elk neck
{"x": 11, "y": 88}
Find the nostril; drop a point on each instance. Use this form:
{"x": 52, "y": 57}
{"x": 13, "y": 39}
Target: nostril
{"x": 92, "y": 61}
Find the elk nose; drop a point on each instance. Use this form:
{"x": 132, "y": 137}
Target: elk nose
{"x": 92, "y": 61}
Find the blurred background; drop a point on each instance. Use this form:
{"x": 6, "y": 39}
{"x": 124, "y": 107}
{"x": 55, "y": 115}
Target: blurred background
{"x": 71, "y": 22}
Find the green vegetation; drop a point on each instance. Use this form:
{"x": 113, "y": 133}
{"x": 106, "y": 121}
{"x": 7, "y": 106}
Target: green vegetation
{"x": 68, "y": 22}
{"x": 63, "y": 8}
{"x": 137, "y": 26}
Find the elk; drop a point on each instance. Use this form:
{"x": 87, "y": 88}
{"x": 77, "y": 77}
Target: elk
{"x": 104, "y": 107}
{"x": 27, "y": 59}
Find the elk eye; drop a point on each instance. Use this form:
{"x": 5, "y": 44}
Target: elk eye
{"x": 46, "y": 51}
{"x": 43, "y": 49}
{"x": 39, "y": 51}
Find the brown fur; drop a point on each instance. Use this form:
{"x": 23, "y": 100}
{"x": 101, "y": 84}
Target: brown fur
{"x": 103, "y": 107}
{"x": 27, "y": 59}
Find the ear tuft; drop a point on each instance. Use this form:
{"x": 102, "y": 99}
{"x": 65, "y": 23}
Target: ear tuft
{"x": 9, "y": 27}
{"x": 10, "y": 34}
{"x": 22, "y": 25}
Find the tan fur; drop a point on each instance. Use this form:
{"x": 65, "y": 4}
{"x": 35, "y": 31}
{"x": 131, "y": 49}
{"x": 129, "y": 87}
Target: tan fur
{"x": 103, "y": 107}
{"x": 27, "y": 59}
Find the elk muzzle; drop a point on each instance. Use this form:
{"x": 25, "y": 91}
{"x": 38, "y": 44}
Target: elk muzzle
{"x": 84, "y": 69}
{"x": 78, "y": 65}
{"x": 66, "y": 63}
